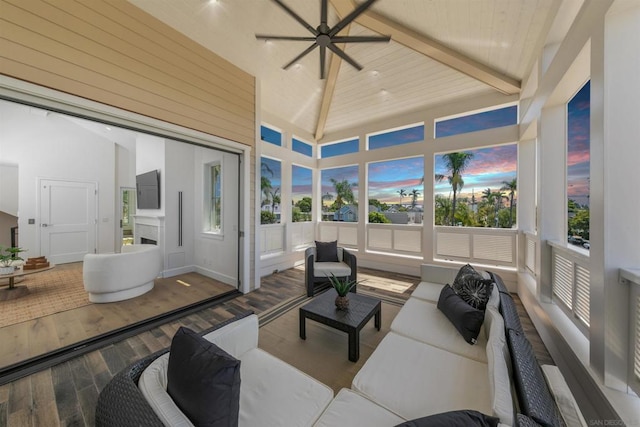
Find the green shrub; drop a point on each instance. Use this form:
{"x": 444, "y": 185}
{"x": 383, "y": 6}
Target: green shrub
{"x": 378, "y": 218}
{"x": 267, "y": 217}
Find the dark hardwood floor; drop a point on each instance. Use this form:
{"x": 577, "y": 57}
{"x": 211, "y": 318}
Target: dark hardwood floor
{"x": 66, "y": 394}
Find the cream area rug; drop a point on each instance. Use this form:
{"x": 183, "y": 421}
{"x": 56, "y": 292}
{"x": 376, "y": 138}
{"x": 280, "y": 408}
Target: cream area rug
{"x": 324, "y": 354}
{"x": 52, "y": 291}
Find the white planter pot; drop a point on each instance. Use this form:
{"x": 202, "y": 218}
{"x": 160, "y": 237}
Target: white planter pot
{"x": 6, "y": 270}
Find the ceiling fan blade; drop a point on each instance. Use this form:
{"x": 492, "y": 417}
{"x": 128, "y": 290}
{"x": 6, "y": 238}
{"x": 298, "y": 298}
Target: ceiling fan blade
{"x": 268, "y": 37}
{"x": 323, "y": 12}
{"x": 297, "y": 58}
{"x": 350, "y": 17}
{"x": 323, "y": 54}
{"x": 360, "y": 39}
{"x": 344, "y": 56}
{"x": 297, "y": 17}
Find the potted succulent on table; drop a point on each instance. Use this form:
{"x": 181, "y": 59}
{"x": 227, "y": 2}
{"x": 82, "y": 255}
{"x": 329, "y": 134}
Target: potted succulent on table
{"x": 8, "y": 259}
{"x": 342, "y": 285}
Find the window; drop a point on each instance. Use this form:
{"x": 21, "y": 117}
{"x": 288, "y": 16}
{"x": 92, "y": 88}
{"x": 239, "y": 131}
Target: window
{"x": 340, "y": 194}
{"x": 270, "y": 178}
{"x": 339, "y": 148}
{"x": 477, "y": 188}
{"x": 478, "y": 121}
{"x": 213, "y": 188}
{"x": 301, "y": 192}
{"x": 302, "y": 147}
{"x": 396, "y": 137}
{"x": 578, "y": 158}
{"x": 396, "y": 191}
{"x": 271, "y": 136}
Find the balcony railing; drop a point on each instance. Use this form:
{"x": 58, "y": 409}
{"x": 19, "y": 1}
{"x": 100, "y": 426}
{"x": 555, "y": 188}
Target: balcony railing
{"x": 398, "y": 239}
{"x": 570, "y": 281}
{"x": 272, "y": 239}
{"x": 346, "y": 233}
{"x": 494, "y": 246}
{"x": 632, "y": 278}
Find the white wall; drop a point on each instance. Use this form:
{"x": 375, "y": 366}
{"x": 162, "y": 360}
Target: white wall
{"x": 216, "y": 255}
{"x": 179, "y": 176}
{"x": 9, "y": 186}
{"x": 48, "y": 145}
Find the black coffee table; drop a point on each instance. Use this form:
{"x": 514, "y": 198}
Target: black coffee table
{"x": 322, "y": 309}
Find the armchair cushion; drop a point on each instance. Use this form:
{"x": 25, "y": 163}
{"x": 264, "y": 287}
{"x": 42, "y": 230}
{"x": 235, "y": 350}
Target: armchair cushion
{"x": 327, "y": 251}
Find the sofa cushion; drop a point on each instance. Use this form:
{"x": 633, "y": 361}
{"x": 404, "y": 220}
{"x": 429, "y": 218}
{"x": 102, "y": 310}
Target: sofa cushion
{"x": 427, "y": 291}
{"x": 534, "y": 396}
{"x": 327, "y": 251}
{"x": 564, "y": 398}
{"x": 453, "y": 419}
{"x": 275, "y": 393}
{"x": 498, "y": 364}
{"x": 203, "y": 380}
{"x": 414, "y": 379}
{"x": 153, "y": 386}
{"x": 466, "y": 272}
{"x": 466, "y": 319}
{"x": 421, "y": 320}
{"x": 351, "y": 409}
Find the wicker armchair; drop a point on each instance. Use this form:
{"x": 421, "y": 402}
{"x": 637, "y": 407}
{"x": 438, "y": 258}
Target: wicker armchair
{"x": 314, "y": 280}
{"x": 121, "y": 403}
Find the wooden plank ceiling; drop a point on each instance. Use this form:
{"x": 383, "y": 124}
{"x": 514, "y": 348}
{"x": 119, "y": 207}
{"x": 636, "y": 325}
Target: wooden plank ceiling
{"x": 440, "y": 51}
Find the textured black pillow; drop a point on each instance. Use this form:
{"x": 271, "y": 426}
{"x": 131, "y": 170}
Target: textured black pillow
{"x": 203, "y": 380}
{"x": 466, "y": 319}
{"x": 465, "y": 272}
{"x": 327, "y": 251}
{"x": 453, "y": 419}
{"x": 475, "y": 291}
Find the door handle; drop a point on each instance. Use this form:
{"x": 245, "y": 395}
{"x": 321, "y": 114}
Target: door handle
{"x": 46, "y": 225}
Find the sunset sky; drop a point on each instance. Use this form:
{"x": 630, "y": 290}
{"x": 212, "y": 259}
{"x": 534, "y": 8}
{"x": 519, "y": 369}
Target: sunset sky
{"x": 488, "y": 168}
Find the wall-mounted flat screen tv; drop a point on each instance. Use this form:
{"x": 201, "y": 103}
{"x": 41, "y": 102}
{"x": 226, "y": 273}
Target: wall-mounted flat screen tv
{"x": 148, "y": 189}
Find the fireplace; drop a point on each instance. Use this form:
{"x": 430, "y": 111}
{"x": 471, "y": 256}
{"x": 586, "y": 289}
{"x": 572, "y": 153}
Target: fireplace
{"x": 145, "y": 241}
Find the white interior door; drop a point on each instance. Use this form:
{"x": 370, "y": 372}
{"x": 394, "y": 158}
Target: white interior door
{"x": 67, "y": 220}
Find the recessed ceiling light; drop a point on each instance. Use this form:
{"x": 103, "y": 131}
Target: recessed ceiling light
{"x": 375, "y": 73}
{"x": 107, "y": 128}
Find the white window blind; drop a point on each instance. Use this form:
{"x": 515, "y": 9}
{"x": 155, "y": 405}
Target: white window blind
{"x": 582, "y": 294}
{"x": 563, "y": 279}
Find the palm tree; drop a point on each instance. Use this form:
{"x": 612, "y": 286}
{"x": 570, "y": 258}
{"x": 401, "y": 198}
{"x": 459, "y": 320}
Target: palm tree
{"x": 265, "y": 183}
{"x": 402, "y": 193}
{"x": 511, "y": 187}
{"x": 275, "y": 198}
{"x": 344, "y": 192}
{"x": 456, "y": 164}
{"x": 414, "y": 196}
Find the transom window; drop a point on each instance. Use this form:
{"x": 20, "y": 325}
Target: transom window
{"x": 339, "y": 148}
{"x": 302, "y": 147}
{"x": 390, "y": 138}
{"x": 270, "y": 135}
{"x": 477, "y": 121}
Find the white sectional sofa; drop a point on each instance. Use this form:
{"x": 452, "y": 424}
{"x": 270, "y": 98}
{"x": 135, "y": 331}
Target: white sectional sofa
{"x": 422, "y": 367}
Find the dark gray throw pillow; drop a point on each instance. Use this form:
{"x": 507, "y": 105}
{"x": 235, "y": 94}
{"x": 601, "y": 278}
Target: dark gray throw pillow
{"x": 453, "y": 419}
{"x": 203, "y": 380}
{"x": 327, "y": 251}
{"x": 466, "y": 319}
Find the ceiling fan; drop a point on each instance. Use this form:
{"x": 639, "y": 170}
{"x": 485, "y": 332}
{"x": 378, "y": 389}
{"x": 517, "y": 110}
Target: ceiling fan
{"x": 325, "y": 36}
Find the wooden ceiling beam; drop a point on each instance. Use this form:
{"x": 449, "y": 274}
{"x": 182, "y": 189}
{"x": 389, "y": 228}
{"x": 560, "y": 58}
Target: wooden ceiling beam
{"x": 430, "y": 48}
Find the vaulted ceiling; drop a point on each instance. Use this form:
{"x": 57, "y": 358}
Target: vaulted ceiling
{"x": 440, "y": 51}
